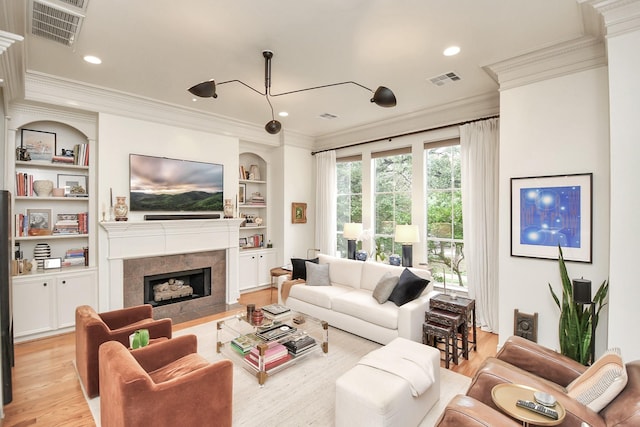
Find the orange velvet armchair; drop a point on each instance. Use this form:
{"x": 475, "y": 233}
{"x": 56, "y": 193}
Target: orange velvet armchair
{"x": 93, "y": 329}
{"x": 166, "y": 384}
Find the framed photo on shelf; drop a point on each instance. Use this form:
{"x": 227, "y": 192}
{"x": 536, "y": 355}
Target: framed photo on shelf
{"x": 552, "y": 211}
{"x": 242, "y": 194}
{"x": 39, "y": 222}
{"x": 298, "y": 213}
{"x": 74, "y": 185}
{"x": 243, "y": 242}
{"x": 38, "y": 144}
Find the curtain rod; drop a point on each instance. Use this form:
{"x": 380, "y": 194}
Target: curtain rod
{"x": 355, "y": 144}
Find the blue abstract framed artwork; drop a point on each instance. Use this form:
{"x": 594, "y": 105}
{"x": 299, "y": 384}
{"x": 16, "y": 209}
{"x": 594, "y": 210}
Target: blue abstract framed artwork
{"x": 548, "y": 211}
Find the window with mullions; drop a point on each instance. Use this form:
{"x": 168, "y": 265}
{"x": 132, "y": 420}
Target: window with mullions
{"x": 445, "y": 247}
{"x": 392, "y": 195}
{"x": 349, "y": 197}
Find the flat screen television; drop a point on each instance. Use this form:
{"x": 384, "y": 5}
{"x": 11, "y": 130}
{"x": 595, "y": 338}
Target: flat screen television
{"x": 173, "y": 185}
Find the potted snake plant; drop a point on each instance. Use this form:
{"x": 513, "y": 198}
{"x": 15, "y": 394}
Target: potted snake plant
{"x": 576, "y": 319}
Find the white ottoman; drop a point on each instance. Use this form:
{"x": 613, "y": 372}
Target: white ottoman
{"x": 366, "y": 396}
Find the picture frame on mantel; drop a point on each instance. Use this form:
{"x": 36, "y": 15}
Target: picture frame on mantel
{"x": 552, "y": 211}
{"x": 298, "y": 213}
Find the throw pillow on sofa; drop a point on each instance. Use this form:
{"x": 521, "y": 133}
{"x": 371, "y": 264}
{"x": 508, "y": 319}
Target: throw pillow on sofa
{"x": 299, "y": 268}
{"x": 409, "y": 287}
{"x": 385, "y": 286}
{"x": 601, "y": 382}
{"x": 317, "y": 274}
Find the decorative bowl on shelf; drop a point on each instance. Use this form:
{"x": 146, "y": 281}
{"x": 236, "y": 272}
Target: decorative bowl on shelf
{"x": 43, "y": 187}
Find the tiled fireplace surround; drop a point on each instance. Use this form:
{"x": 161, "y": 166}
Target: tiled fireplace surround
{"x": 140, "y": 248}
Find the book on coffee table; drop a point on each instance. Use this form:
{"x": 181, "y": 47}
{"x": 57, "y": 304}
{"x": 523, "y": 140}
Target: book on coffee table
{"x": 244, "y": 343}
{"x": 275, "y": 309}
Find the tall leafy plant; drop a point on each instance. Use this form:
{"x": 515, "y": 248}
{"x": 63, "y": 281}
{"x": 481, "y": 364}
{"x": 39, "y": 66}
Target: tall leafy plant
{"x": 576, "y": 319}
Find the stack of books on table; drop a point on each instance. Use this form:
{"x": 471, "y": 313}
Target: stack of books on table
{"x": 300, "y": 345}
{"x": 276, "y": 312}
{"x": 67, "y": 224}
{"x": 275, "y": 355}
{"x": 244, "y": 343}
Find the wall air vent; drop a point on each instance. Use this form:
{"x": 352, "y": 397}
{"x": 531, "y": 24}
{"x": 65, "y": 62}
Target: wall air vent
{"x": 445, "y": 78}
{"x": 328, "y": 116}
{"x": 53, "y": 20}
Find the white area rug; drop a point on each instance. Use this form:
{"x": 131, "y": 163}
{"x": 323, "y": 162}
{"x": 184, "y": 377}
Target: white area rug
{"x": 303, "y": 394}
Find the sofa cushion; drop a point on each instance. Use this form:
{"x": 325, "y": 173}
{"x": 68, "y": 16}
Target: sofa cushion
{"x": 409, "y": 287}
{"x": 601, "y": 382}
{"x": 300, "y": 268}
{"x": 372, "y": 272}
{"x": 359, "y": 304}
{"x": 317, "y": 275}
{"x": 318, "y": 295}
{"x": 385, "y": 286}
{"x": 178, "y": 368}
{"x": 345, "y": 272}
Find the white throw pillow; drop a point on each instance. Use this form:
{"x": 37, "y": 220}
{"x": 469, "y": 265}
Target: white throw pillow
{"x": 601, "y": 382}
{"x": 317, "y": 274}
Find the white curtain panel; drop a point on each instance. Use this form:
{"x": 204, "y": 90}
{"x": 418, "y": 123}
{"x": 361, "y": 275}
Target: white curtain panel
{"x": 326, "y": 202}
{"x": 479, "y": 143}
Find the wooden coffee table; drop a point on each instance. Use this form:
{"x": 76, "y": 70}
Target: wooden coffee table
{"x": 505, "y": 397}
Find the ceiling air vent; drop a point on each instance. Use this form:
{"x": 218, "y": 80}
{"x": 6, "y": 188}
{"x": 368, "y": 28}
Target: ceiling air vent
{"x": 445, "y": 78}
{"x": 328, "y": 116}
{"x": 57, "y": 22}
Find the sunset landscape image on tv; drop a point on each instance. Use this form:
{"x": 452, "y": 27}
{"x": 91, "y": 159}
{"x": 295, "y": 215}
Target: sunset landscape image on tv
{"x": 173, "y": 185}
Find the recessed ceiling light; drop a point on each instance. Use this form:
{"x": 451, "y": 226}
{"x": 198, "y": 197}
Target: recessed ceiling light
{"x": 283, "y": 114}
{"x": 194, "y": 99}
{"x": 451, "y": 50}
{"x": 92, "y": 59}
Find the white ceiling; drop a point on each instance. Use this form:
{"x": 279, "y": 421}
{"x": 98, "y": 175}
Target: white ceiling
{"x": 159, "y": 48}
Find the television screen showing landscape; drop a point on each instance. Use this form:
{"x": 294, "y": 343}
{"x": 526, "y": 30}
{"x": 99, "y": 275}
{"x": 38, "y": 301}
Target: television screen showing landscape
{"x": 170, "y": 185}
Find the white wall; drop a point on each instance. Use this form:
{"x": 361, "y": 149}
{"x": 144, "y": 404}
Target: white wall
{"x": 299, "y": 174}
{"x": 558, "y": 126}
{"x": 120, "y": 136}
{"x": 624, "y": 68}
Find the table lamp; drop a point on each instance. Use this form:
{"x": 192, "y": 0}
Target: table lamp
{"x": 407, "y": 235}
{"x": 351, "y": 232}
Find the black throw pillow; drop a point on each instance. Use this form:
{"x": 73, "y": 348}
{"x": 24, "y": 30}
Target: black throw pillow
{"x": 299, "y": 269}
{"x": 409, "y": 287}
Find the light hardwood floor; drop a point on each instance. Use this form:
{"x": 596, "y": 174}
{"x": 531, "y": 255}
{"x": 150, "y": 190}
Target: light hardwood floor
{"x": 46, "y": 391}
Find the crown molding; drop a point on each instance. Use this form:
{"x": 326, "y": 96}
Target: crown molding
{"x": 620, "y": 16}
{"x": 53, "y": 90}
{"x": 561, "y": 59}
{"x": 470, "y": 108}
{"x": 11, "y": 65}
{"x": 21, "y": 114}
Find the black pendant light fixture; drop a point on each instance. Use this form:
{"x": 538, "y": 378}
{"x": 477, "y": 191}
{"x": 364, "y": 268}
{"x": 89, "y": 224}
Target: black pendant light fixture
{"x": 382, "y": 97}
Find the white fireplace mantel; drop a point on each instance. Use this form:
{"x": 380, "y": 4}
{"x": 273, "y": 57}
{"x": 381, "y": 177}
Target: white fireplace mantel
{"x": 138, "y": 239}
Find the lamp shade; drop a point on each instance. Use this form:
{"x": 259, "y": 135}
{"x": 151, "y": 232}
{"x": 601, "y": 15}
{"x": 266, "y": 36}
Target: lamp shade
{"x": 407, "y": 234}
{"x": 384, "y": 97}
{"x": 352, "y": 230}
{"x": 205, "y": 89}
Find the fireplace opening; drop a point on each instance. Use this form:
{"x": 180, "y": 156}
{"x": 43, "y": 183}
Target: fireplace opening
{"x": 178, "y": 286}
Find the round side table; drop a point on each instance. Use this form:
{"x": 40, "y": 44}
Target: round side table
{"x": 505, "y": 397}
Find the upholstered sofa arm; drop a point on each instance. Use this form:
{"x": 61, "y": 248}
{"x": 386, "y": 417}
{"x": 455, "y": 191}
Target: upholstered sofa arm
{"x": 116, "y": 319}
{"x": 495, "y": 371}
{"x": 411, "y": 317}
{"x": 540, "y": 361}
{"x": 154, "y": 356}
{"x": 465, "y": 411}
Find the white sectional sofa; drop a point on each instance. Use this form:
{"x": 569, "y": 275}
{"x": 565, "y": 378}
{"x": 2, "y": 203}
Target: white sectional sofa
{"x": 348, "y": 303}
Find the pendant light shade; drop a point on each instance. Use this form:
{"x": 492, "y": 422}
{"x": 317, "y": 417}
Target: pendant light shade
{"x": 206, "y": 89}
{"x": 383, "y": 96}
{"x": 273, "y": 127}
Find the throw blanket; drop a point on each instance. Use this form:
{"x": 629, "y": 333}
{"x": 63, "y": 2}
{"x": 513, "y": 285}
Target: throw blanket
{"x": 286, "y": 287}
{"x": 417, "y": 371}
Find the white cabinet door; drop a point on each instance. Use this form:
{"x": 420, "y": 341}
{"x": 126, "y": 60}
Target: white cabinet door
{"x": 248, "y": 275}
{"x": 73, "y": 290}
{"x": 266, "y": 261}
{"x": 32, "y": 307}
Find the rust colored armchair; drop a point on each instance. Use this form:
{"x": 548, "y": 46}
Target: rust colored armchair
{"x": 166, "y": 384}
{"x": 93, "y": 329}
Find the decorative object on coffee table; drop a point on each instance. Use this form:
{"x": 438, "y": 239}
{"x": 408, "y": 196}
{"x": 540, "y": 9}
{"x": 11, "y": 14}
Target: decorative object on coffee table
{"x": 120, "y": 209}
